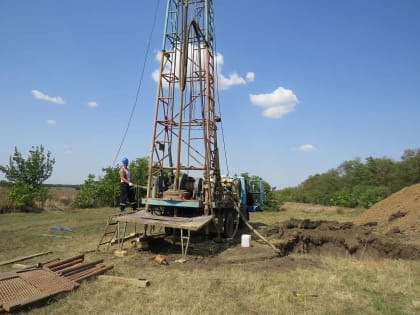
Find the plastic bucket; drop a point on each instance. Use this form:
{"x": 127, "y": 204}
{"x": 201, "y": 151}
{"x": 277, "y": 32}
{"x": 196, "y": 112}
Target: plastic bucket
{"x": 246, "y": 240}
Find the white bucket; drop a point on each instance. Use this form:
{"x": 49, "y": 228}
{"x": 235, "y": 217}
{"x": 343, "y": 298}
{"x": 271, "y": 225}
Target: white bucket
{"x": 246, "y": 240}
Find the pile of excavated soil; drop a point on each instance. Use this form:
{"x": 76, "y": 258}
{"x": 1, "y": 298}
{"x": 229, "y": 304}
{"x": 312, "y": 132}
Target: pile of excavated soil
{"x": 339, "y": 239}
{"x": 399, "y": 213}
{"x": 391, "y": 229}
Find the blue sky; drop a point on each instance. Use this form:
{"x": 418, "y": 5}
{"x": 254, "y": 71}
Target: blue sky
{"x": 304, "y": 85}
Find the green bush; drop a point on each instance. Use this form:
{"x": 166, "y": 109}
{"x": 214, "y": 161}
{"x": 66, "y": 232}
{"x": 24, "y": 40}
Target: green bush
{"x": 88, "y": 194}
{"x": 26, "y": 177}
{"x": 26, "y": 197}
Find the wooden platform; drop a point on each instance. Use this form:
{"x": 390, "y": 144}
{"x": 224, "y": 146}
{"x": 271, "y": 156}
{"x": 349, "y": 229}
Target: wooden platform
{"x": 145, "y": 217}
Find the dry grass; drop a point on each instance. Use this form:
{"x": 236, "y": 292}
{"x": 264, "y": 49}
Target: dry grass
{"x": 212, "y": 284}
{"x": 61, "y": 197}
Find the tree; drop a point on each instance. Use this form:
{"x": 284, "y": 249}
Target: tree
{"x": 409, "y": 169}
{"x": 106, "y": 190}
{"x": 88, "y": 194}
{"x": 27, "y": 176}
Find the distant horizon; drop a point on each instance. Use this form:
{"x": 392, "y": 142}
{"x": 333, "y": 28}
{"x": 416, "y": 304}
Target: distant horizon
{"x": 363, "y": 160}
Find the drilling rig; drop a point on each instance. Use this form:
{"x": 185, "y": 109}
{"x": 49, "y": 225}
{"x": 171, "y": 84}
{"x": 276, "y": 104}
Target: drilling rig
{"x": 185, "y": 189}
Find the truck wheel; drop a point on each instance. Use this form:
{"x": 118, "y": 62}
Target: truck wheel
{"x": 229, "y": 224}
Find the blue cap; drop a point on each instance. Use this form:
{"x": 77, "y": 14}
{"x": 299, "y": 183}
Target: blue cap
{"x": 125, "y": 160}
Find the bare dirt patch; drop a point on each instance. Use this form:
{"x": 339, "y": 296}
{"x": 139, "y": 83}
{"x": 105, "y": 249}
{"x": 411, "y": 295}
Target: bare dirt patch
{"x": 397, "y": 214}
{"x": 339, "y": 239}
{"x": 210, "y": 255}
{"x": 389, "y": 229}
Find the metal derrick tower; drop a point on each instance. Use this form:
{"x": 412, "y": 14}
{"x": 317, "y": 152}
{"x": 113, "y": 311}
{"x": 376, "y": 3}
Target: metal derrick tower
{"x": 185, "y": 191}
{"x": 184, "y": 159}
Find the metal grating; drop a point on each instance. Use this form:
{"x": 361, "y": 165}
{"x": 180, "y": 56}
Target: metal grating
{"x": 16, "y": 291}
{"x": 31, "y": 286}
{"x": 48, "y": 282}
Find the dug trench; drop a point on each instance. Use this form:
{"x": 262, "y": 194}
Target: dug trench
{"x": 340, "y": 239}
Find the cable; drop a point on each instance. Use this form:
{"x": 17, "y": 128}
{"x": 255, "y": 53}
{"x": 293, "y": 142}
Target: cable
{"x": 139, "y": 85}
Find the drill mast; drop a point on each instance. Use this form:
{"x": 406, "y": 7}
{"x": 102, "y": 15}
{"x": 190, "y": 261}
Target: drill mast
{"x": 184, "y": 158}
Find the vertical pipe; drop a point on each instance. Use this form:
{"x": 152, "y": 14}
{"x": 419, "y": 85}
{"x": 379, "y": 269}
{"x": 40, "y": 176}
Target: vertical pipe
{"x": 208, "y": 196}
{"x": 182, "y": 81}
{"x": 166, "y": 25}
{"x": 152, "y": 144}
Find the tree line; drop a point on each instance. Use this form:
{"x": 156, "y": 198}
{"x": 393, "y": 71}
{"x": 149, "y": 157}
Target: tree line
{"x": 356, "y": 183}
{"x": 353, "y": 183}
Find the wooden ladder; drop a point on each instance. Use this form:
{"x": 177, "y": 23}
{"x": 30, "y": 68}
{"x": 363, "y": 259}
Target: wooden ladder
{"x": 115, "y": 232}
{"x": 111, "y": 232}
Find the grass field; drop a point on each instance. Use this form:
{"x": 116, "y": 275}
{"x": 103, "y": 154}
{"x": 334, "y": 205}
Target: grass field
{"x": 224, "y": 279}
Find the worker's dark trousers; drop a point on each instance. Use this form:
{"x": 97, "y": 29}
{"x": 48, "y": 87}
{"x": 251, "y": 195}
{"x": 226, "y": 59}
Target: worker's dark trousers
{"x": 127, "y": 197}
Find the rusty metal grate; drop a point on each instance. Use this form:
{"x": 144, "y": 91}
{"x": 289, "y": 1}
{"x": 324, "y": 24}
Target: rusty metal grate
{"x": 30, "y": 286}
{"x": 48, "y": 282}
{"x": 16, "y": 291}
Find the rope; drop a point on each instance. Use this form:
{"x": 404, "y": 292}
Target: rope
{"x": 139, "y": 85}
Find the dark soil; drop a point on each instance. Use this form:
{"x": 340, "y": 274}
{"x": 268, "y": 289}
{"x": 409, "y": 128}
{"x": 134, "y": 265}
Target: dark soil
{"x": 389, "y": 229}
{"x": 340, "y": 239}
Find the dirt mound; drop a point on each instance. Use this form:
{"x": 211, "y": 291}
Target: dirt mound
{"x": 399, "y": 213}
{"x": 339, "y": 239}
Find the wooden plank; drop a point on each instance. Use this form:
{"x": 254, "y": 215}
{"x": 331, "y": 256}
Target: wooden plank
{"x": 146, "y": 218}
{"x": 140, "y": 283}
{"x": 11, "y": 261}
{"x": 128, "y": 237}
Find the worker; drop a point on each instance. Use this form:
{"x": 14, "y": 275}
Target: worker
{"x": 127, "y": 187}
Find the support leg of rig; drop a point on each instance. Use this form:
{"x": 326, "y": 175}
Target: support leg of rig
{"x": 184, "y": 248}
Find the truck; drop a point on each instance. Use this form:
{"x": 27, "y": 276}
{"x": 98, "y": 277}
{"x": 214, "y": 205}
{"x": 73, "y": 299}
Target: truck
{"x": 185, "y": 190}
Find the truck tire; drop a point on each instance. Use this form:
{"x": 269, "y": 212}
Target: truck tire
{"x": 229, "y": 224}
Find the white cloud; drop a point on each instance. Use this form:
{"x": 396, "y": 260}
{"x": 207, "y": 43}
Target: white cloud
{"x": 277, "y": 103}
{"x": 250, "y": 76}
{"x": 233, "y": 79}
{"x": 155, "y": 75}
{"x": 224, "y": 82}
{"x": 42, "y": 96}
{"x": 307, "y": 148}
{"x": 92, "y": 104}
{"x": 51, "y": 122}
{"x": 219, "y": 59}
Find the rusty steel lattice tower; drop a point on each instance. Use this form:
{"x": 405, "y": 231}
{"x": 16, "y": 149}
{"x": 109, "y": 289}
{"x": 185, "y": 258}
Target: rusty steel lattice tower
{"x": 184, "y": 158}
